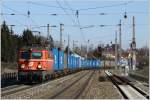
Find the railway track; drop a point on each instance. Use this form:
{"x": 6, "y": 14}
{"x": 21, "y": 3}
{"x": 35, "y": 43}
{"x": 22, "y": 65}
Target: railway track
{"x": 14, "y": 89}
{"x": 9, "y": 87}
{"x": 80, "y": 91}
{"x": 18, "y": 87}
{"x": 17, "y": 90}
{"x": 88, "y": 85}
{"x": 73, "y": 89}
{"x": 128, "y": 90}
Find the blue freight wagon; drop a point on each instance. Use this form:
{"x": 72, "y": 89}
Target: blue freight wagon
{"x": 98, "y": 64}
{"x": 55, "y": 55}
{"x": 95, "y": 62}
{"x": 73, "y": 62}
{"x": 70, "y": 62}
{"x": 61, "y": 60}
{"x": 58, "y": 59}
{"x": 87, "y": 63}
{"x": 82, "y": 62}
{"x": 73, "y": 59}
{"x": 78, "y": 62}
{"x": 93, "y": 65}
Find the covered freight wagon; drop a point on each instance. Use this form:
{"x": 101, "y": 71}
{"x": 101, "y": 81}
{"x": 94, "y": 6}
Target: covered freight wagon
{"x": 98, "y": 64}
{"x": 55, "y": 56}
{"x": 70, "y": 62}
{"x": 61, "y": 60}
{"x": 58, "y": 56}
{"x": 65, "y": 61}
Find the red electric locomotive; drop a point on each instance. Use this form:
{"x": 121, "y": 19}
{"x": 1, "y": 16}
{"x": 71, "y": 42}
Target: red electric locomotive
{"x": 35, "y": 64}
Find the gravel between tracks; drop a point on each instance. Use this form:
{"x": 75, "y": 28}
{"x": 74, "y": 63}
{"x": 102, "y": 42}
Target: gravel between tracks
{"x": 38, "y": 91}
{"x": 55, "y": 92}
{"x": 73, "y": 90}
{"x": 100, "y": 87}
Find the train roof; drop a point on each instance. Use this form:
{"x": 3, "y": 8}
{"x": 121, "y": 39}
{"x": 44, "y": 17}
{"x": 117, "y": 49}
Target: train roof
{"x": 76, "y": 55}
{"x": 25, "y": 48}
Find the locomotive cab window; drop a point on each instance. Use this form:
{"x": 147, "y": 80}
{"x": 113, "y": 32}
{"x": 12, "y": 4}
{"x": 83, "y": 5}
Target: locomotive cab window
{"x": 36, "y": 55}
{"x": 25, "y": 55}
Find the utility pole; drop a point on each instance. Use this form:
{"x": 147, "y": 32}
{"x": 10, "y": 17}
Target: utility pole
{"x": 40, "y": 37}
{"x": 61, "y": 29}
{"x": 81, "y": 50}
{"x": 68, "y": 52}
{"x": 73, "y": 46}
{"x": 88, "y": 48}
{"x": 11, "y": 29}
{"x": 116, "y": 51}
{"x": 133, "y": 46}
{"x": 120, "y": 47}
{"x": 28, "y": 13}
{"x": 48, "y": 36}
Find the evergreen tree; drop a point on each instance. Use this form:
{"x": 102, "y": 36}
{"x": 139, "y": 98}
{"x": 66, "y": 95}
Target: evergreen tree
{"x": 6, "y": 42}
{"x": 28, "y": 37}
{"x": 11, "y": 43}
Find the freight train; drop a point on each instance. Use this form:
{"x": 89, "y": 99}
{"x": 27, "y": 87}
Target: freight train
{"x": 40, "y": 64}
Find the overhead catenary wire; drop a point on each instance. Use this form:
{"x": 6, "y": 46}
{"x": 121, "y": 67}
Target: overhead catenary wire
{"x": 53, "y": 14}
{"x": 81, "y": 30}
{"x": 86, "y": 26}
{"x": 107, "y": 6}
{"x": 84, "y": 9}
{"x": 68, "y": 5}
{"x": 65, "y": 11}
{"x": 76, "y": 15}
{"x": 69, "y": 8}
{"x": 70, "y": 18}
{"x": 81, "y": 14}
{"x": 13, "y": 10}
{"x": 19, "y": 23}
{"x": 26, "y": 16}
{"x": 29, "y": 14}
{"x": 79, "y": 24}
{"x": 45, "y": 5}
{"x": 82, "y": 26}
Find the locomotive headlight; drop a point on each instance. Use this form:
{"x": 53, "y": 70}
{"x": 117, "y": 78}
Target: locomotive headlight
{"x": 23, "y": 66}
{"x": 39, "y": 66}
{"x": 30, "y": 64}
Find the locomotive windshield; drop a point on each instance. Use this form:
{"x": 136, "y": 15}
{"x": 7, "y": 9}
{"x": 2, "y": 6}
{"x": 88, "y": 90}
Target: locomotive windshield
{"x": 36, "y": 55}
{"x": 25, "y": 55}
